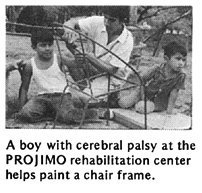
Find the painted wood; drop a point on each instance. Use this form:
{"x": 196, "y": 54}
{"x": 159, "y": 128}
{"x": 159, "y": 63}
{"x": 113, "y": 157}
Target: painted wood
{"x": 134, "y": 120}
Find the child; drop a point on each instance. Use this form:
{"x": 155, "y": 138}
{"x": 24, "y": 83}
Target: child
{"x": 46, "y": 70}
{"x": 163, "y": 83}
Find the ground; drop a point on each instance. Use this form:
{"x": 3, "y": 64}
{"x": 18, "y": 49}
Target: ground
{"x": 20, "y": 48}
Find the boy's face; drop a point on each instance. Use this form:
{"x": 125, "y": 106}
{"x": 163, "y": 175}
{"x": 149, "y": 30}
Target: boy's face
{"x": 177, "y": 62}
{"x": 44, "y": 50}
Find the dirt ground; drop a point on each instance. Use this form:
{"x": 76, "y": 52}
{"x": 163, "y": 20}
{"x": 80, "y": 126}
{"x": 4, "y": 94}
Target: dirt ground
{"x": 20, "y": 48}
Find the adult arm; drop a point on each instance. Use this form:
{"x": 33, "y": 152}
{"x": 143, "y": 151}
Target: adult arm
{"x": 148, "y": 72}
{"x": 86, "y": 25}
{"x": 98, "y": 64}
{"x": 102, "y": 66}
{"x": 66, "y": 62}
{"x": 25, "y": 78}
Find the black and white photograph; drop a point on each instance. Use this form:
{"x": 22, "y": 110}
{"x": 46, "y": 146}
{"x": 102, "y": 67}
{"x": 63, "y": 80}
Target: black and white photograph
{"x": 99, "y": 67}
{"x": 101, "y": 96}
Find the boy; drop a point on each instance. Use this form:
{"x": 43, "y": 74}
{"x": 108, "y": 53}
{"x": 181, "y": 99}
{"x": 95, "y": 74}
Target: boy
{"x": 46, "y": 70}
{"x": 163, "y": 83}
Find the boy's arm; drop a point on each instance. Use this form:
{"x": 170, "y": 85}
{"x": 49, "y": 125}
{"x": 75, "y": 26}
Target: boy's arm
{"x": 171, "y": 101}
{"x": 26, "y": 78}
{"x": 180, "y": 84}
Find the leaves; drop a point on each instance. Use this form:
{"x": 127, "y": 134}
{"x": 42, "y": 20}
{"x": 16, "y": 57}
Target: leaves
{"x": 159, "y": 16}
{"x": 156, "y": 16}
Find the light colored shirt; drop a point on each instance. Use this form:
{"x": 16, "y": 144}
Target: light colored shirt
{"x": 50, "y": 80}
{"x": 94, "y": 28}
{"x": 122, "y": 46}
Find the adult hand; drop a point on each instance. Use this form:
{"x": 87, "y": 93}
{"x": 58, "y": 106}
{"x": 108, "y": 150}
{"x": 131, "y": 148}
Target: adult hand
{"x": 70, "y": 36}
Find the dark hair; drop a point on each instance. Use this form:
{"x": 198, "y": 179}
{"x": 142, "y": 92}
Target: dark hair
{"x": 41, "y": 35}
{"x": 119, "y": 12}
{"x": 172, "y": 48}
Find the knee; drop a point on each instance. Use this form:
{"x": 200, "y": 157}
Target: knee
{"x": 129, "y": 98}
{"x": 140, "y": 107}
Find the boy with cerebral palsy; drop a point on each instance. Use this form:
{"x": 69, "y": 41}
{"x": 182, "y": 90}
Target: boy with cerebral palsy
{"x": 47, "y": 72}
{"x": 162, "y": 83}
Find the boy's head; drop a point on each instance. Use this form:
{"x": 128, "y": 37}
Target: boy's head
{"x": 175, "y": 55}
{"x": 173, "y": 48}
{"x": 41, "y": 36}
{"x": 42, "y": 43}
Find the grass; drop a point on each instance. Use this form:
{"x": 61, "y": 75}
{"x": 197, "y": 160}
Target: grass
{"x": 20, "y": 48}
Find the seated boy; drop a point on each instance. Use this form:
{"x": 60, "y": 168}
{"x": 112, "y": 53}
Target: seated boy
{"x": 164, "y": 82}
{"x": 47, "y": 72}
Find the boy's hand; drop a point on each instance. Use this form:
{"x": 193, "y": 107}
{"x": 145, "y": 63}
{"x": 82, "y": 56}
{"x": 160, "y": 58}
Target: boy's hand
{"x": 13, "y": 65}
{"x": 17, "y": 65}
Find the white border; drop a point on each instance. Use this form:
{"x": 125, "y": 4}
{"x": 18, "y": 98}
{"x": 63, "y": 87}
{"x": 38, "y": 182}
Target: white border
{"x": 169, "y": 179}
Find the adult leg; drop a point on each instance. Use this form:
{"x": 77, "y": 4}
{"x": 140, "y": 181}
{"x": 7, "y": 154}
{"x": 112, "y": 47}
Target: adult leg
{"x": 128, "y": 98}
{"x": 81, "y": 71}
{"x": 66, "y": 111}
